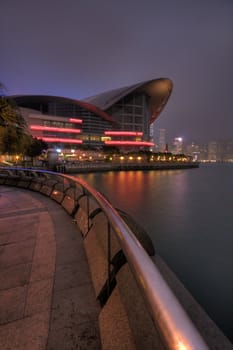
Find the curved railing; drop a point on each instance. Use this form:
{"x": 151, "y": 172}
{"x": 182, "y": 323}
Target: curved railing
{"x": 175, "y": 327}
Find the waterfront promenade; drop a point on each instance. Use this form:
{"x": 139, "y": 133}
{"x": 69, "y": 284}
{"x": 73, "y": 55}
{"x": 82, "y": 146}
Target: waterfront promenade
{"x": 47, "y": 299}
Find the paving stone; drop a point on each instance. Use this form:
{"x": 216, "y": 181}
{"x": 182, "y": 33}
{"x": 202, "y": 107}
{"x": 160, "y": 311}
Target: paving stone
{"x": 17, "y": 253}
{"x": 69, "y": 253}
{"x": 45, "y": 251}
{"x": 24, "y": 234}
{"x": 6, "y": 226}
{"x": 4, "y": 238}
{"x": 39, "y": 297}
{"x": 12, "y": 304}
{"x": 71, "y": 275}
{"x": 29, "y": 333}
{"x": 73, "y": 306}
{"x": 42, "y": 270}
{"x": 14, "y": 276}
{"x": 36, "y": 233}
{"x": 27, "y": 221}
{"x": 84, "y": 336}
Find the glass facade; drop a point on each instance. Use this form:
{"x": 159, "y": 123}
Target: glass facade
{"x": 92, "y": 126}
{"x": 132, "y": 113}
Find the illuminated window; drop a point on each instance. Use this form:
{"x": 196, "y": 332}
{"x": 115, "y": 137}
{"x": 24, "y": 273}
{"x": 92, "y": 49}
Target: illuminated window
{"x": 94, "y": 138}
{"x": 105, "y": 138}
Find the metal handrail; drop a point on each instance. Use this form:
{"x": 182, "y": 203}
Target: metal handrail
{"x": 174, "y": 325}
{"x": 177, "y": 330}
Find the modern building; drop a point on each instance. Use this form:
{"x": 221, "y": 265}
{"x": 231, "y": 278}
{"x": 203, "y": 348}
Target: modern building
{"x": 177, "y": 145}
{"x": 220, "y": 151}
{"x": 212, "y": 151}
{"x": 119, "y": 118}
{"x": 162, "y": 140}
{"x": 193, "y": 150}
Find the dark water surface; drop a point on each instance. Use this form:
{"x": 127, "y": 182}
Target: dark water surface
{"x": 189, "y": 217}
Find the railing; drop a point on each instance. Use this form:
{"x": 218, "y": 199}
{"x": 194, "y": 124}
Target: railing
{"x": 175, "y": 327}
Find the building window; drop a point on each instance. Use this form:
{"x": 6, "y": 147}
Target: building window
{"x": 127, "y": 127}
{"x": 139, "y": 100}
{"x": 138, "y": 110}
{"x": 128, "y": 119}
{"x": 128, "y": 109}
{"x": 138, "y": 120}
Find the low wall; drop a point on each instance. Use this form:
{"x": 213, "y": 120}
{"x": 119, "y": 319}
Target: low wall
{"x": 124, "y": 319}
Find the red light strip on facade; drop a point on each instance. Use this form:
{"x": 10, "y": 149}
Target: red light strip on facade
{"x": 51, "y": 128}
{"x": 56, "y": 139}
{"x": 123, "y": 133}
{"x": 74, "y": 120}
{"x": 129, "y": 143}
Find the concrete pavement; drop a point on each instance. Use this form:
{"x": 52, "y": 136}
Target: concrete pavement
{"x": 47, "y": 299}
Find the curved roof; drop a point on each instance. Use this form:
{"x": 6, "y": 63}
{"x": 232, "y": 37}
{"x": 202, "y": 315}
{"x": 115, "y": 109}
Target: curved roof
{"x": 158, "y": 89}
{"x": 29, "y": 100}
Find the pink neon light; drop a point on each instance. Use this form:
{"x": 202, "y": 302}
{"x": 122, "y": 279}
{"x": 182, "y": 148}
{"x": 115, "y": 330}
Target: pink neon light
{"x": 56, "y": 139}
{"x": 123, "y": 133}
{"x": 129, "y": 143}
{"x": 75, "y": 120}
{"x": 51, "y": 128}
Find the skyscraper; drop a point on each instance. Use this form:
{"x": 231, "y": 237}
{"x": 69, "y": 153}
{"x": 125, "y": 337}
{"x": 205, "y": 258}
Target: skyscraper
{"x": 178, "y": 145}
{"x": 212, "y": 151}
{"x": 162, "y": 140}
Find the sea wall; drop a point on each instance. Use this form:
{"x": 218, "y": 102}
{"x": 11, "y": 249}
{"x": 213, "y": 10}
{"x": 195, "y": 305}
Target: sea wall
{"x": 84, "y": 167}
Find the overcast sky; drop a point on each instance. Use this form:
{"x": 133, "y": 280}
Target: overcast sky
{"x": 78, "y": 48}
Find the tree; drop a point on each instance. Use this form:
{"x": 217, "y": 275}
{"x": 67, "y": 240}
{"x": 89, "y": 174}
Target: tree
{"x": 14, "y": 135}
{"x": 35, "y": 148}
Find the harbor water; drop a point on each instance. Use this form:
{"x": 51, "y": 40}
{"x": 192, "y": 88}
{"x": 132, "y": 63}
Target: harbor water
{"x": 189, "y": 217}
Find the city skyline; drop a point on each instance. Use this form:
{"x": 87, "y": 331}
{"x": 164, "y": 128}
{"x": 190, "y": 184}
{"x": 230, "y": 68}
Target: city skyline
{"x": 81, "y": 49}
{"x": 210, "y": 151}
{"x": 169, "y": 140}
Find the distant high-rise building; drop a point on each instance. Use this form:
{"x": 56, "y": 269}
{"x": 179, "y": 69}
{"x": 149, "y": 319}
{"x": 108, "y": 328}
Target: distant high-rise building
{"x": 193, "y": 150}
{"x": 177, "y": 145}
{"x": 152, "y": 137}
{"x": 162, "y": 140}
{"x": 220, "y": 151}
{"x": 212, "y": 151}
{"x": 203, "y": 153}
{"x": 228, "y": 151}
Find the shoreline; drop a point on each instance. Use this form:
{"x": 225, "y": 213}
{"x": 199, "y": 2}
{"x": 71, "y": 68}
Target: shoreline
{"x": 97, "y": 167}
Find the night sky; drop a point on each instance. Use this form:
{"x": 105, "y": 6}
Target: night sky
{"x": 78, "y": 48}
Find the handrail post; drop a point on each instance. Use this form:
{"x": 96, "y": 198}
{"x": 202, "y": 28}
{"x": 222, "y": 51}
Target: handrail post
{"x": 88, "y": 209}
{"x": 109, "y": 255}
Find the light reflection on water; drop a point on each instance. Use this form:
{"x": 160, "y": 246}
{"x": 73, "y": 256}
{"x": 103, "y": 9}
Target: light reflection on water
{"x": 188, "y": 215}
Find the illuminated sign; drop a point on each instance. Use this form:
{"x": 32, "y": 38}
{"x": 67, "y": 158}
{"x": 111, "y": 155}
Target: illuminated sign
{"x": 123, "y": 133}
{"x": 56, "y": 139}
{"x": 129, "y": 143}
{"x": 51, "y": 128}
{"x": 75, "y": 120}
